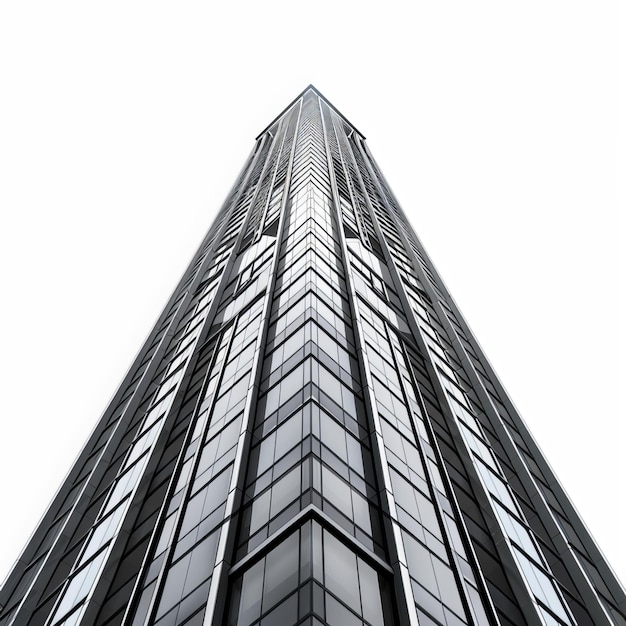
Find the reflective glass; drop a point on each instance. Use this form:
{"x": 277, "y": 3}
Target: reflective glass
{"x": 340, "y": 572}
{"x": 251, "y": 595}
{"x": 281, "y": 571}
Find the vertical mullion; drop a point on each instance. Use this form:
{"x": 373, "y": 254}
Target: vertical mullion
{"x": 218, "y": 590}
{"x": 416, "y": 333}
{"x": 201, "y": 339}
{"x": 402, "y": 588}
{"x": 100, "y": 586}
{"x": 524, "y": 595}
{"x": 31, "y": 597}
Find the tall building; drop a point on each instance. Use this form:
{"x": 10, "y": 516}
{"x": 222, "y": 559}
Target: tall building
{"x": 311, "y": 435}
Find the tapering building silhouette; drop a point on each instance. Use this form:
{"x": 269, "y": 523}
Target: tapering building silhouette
{"x": 311, "y": 435}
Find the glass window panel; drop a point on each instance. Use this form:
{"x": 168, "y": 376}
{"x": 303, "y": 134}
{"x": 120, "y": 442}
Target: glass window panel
{"x": 496, "y": 486}
{"x": 428, "y": 602}
{"x": 190, "y": 604}
{"x": 448, "y": 588}
{"x": 330, "y": 384}
{"x": 370, "y": 593}
{"x": 287, "y": 387}
{"x": 166, "y": 534}
{"x": 285, "y": 491}
{"x": 266, "y": 453}
{"x": 215, "y": 448}
{"x": 260, "y": 511}
{"x": 361, "y": 510}
{"x": 80, "y": 585}
{"x": 251, "y": 595}
{"x": 144, "y": 603}
{"x": 348, "y": 402}
{"x": 340, "y": 571}
{"x": 103, "y": 533}
{"x": 317, "y": 552}
{"x": 142, "y": 445}
{"x": 338, "y": 615}
{"x": 542, "y": 586}
{"x": 476, "y": 605}
{"x": 355, "y": 455}
{"x": 201, "y": 563}
{"x": 283, "y": 614}
{"x": 288, "y": 435}
{"x": 517, "y": 533}
{"x": 334, "y": 436}
{"x": 327, "y": 344}
{"x": 173, "y": 589}
{"x": 427, "y": 513}
{"x": 336, "y": 491}
{"x": 125, "y": 484}
{"x": 479, "y": 448}
{"x": 281, "y": 571}
{"x": 206, "y": 500}
{"x": 420, "y": 563}
{"x": 293, "y": 344}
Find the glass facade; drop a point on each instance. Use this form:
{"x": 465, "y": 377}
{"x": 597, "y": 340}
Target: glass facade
{"x": 311, "y": 435}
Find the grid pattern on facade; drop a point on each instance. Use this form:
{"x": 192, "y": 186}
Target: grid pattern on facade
{"x": 311, "y": 435}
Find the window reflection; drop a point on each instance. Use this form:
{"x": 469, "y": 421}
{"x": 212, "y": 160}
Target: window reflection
{"x": 311, "y": 572}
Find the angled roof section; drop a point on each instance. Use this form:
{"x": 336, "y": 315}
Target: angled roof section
{"x": 317, "y": 92}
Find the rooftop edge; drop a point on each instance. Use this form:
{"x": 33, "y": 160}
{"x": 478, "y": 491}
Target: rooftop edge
{"x": 323, "y": 97}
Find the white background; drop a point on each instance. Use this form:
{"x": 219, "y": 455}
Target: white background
{"x": 124, "y": 124}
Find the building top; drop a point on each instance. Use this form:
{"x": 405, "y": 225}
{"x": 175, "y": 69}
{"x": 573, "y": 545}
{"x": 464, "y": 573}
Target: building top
{"x": 312, "y": 89}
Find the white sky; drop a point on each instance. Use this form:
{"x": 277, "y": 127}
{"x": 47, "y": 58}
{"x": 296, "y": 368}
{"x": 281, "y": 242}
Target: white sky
{"x": 124, "y": 124}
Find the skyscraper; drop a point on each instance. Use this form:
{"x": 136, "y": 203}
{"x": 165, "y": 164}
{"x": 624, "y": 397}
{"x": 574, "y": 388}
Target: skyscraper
{"x": 311, "y": 435}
